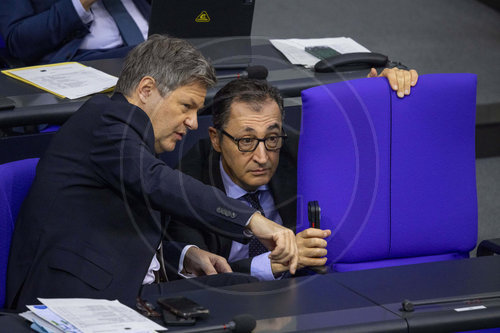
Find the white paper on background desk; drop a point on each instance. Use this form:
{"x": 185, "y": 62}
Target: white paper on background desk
{"x": 294, "y": 49}
{"x": 45, "y": 318}
{"x": 100, "y": 316}
{"x": 69, "y": 79}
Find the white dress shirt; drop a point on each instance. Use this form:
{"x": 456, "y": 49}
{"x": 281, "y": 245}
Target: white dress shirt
{"x": 261, "y": 264}
{"x": 104, "y": 33}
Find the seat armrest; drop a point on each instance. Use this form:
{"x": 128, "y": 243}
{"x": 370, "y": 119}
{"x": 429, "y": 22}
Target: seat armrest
{"x": 488, "y": 247}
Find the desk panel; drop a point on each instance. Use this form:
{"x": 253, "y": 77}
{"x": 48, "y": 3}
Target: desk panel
{"x": 300, "y": 304}
{"x": 467, "y": 278}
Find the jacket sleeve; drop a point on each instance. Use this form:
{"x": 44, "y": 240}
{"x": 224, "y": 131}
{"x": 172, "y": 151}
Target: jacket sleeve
{"x": 182, "y": 232}
{"x": 32, "y": 32}
{"x": 124, "y": 160}
{"x": 171, "y": 255}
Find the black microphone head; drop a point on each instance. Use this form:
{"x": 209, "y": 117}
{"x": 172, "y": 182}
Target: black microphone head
{"x": 244, "y": 323}
{"x": 257, "y": 72}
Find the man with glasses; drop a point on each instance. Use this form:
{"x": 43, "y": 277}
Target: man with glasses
{"x": 94, "y": 221}
{"x": 251, "y": 159}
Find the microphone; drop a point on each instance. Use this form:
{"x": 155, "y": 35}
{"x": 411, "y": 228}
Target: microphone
{"x": 409, "y": 306}
{"x": 252, "y": 72}
{"x": 243, "y": 323}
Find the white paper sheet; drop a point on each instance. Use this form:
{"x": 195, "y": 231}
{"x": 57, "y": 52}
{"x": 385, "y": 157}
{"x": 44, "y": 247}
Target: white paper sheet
{"x": 49, "y": 327}
{"x": 71, "y": 79}
{"x": 294, "y": 49}
{"x": 100, "y": 316}
{"x": 48, "y": 317}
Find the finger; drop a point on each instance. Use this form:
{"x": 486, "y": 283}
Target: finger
{"x": 313, "y": 261}
{"x": 313, "y": 253}
{"x": 208, "y": 268}
{"x": 285, "y": 255}
{"x": 414, "y": 77}
{"x": 314, "y": 243}
{"x": 221, "y": 266}
{"x": 289, "y": 248}
{"x": 372, "y": 73}
{"x": 314, "y": 233}
{"x": 407, "y": 84}
{"x": 401, "y": 83}
{"x": 280, "y": 247}
{"x": 390, "y": 74}
{"x": 294, "y": 262}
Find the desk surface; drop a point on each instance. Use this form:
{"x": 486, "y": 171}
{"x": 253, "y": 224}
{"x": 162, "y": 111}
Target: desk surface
{"x": 363, "y": 301}
{"x": 41, "y": 107}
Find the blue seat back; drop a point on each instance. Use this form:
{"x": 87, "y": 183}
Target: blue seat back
{"x": 15, "y": 181}
{"x": 395, "y": 178}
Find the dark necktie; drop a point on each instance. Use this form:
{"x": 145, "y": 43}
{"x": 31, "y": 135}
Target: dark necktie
{"x": 128, "y": 29}
{"x": 255, "y": 247}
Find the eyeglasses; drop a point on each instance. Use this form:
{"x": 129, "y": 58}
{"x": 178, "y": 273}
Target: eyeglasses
{"x": 247, "y": 145}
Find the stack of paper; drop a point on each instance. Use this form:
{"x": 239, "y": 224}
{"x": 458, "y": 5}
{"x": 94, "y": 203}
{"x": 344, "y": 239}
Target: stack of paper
{"x": 294, "y": 49}
{"x": 82, "y": 315}
{"x": 69, "y": 79}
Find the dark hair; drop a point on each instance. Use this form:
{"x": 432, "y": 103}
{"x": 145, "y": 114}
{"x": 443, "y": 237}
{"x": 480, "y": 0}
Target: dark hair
{"x": 172, "y": 62}
{"x": 251, "y": 91}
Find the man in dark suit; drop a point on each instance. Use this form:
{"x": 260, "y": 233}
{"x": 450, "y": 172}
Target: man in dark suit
{"x": 251, "y": 111}
{"x": 43, "y": 31}
{"x": 248, "y": 153}
{"x": 101, "y": 199}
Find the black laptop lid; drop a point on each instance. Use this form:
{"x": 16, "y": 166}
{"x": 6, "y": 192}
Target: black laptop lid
{"x": 201, "y": 18}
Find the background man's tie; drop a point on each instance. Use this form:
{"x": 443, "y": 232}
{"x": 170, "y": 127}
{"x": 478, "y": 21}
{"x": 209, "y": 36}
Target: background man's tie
{"x": 128, "y": 29}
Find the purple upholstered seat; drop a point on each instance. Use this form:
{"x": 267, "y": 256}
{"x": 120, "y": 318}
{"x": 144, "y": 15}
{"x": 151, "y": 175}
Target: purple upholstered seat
{"x": 15, "y": 181}
{"x": 395, "y": 178}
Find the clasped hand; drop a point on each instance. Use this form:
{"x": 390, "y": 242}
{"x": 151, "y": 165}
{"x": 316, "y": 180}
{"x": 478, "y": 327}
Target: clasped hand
{"x": 311, "y": 244}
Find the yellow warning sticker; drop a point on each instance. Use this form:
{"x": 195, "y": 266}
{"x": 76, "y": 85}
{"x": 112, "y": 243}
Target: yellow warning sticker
{"x": 202, "y": 17}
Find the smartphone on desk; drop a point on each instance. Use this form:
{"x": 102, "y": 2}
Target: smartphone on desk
{"x": 183, "y": 307}
{"x": 321, "y": 52}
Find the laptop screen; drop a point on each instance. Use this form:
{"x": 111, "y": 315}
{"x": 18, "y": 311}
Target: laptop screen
{"x": 201, "y": 18}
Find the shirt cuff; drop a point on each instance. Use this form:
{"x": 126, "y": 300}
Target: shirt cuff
{"x": 85, "y": 16}
{"x": 181, "y": 262}
{"x": 247, "y": 232}
{"x": 260, "y": 267}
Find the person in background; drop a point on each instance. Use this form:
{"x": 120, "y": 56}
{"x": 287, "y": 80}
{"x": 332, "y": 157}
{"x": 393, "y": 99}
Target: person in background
{"x": 49, "y": 31}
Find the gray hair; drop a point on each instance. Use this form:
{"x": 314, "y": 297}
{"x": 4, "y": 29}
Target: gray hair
{"x": 172, "y": 62}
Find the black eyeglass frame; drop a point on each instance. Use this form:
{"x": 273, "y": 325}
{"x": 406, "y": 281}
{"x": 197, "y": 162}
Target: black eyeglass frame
{"x": 237, "y": 141}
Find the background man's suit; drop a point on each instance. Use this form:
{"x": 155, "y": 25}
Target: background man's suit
{"x": 52, "y": 28}
{"x": 202, "y": 163}
{"x": 96, "y": 211}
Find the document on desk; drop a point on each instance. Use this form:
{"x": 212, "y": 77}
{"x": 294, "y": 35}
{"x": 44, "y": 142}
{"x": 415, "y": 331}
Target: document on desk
{"x": 44, "y": 317}
{"x": 294, "y": 49}
{"x": 83, "y": 315}
{"x": 67, "y": 80}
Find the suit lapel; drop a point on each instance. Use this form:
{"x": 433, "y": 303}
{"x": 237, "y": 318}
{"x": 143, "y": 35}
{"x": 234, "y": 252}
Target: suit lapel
{"x": 212, "y": 176}
{"x": 284, "y": 192}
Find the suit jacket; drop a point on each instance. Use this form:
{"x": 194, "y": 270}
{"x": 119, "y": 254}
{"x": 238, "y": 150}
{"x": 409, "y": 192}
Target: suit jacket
{"x": 45, "y": 30}
{"x": 95, "y": 213}
{"x": 202, "y": 163}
